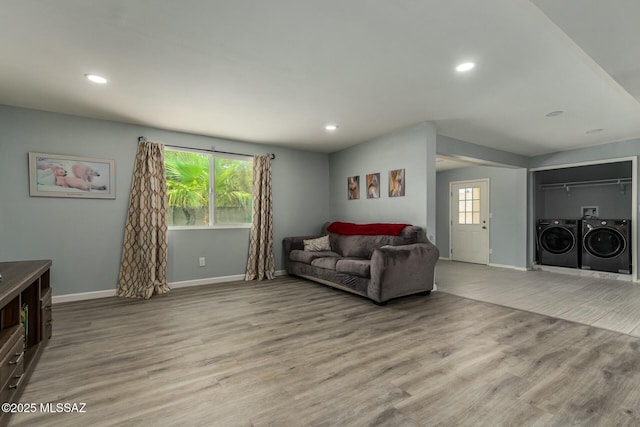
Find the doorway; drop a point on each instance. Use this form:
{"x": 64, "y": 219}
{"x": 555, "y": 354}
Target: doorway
{"x": 469, "y": 230}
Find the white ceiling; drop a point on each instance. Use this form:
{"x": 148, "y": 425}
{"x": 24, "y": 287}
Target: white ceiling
{"x": 277, "y": 71}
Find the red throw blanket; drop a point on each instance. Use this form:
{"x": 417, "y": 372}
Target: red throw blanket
{"x": 351, "y": 229}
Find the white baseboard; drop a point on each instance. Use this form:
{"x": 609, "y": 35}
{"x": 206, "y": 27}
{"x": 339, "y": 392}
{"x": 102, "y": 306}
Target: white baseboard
{"x": 511, "y": 267}
{"x": 444, "y": 258}
{"x": 207, "y": 281}
{"x": 173, "y": 285}
{"x": 83, "y": 296}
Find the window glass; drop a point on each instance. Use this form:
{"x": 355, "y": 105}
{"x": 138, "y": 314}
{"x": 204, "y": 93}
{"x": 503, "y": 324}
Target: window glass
{"x": 233, "y": 185}
{"x": 204, "y": 190}
{"x": 469, "y": 206}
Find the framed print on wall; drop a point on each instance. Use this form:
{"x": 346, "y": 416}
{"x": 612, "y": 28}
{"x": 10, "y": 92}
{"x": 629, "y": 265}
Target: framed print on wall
{"x": 396, "y": 183}
{"x": 353, "y": 187}
{"x": 373, "y": 185}
{"x": 54, "y": 175}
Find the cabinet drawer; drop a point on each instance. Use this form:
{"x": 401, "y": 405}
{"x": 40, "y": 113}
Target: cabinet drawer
{"x": 46, "y": 324}
{"x": 45, "y": 299}
{"x": 47, "y": 329}
{"x": 12, "y": 364}
{"x": 13, "y": 336}
{"x": 10, "y": 387}
{"x": 46, "y": 294}
{"x": 46, "y": 316}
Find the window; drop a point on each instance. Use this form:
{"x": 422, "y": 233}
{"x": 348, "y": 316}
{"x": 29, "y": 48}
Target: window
{"x": 205, "y": 190}
{"x": 469, "y": 205}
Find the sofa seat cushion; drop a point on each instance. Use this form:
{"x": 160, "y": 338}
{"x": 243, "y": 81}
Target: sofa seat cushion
{"x": 358, "y": 267}
{"x": 328, "y": 262}
{"x": 306, "y": 257}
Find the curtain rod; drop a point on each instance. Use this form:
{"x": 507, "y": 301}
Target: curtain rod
{"x": 212, "y": 150}
{"x": 588, "y": 183}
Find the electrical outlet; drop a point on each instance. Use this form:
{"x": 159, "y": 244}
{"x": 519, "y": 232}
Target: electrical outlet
{"x": 202, "y": 262}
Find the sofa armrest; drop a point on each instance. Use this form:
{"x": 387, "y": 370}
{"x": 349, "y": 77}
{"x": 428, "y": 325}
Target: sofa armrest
{"x": 402, "y": 270}
{"x": 291, "y": 243}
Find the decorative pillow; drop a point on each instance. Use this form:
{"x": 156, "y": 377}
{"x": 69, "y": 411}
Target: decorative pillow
{"x": 317, "y": 245}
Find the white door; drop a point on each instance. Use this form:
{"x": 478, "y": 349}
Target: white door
{"x": 469, "y": 240}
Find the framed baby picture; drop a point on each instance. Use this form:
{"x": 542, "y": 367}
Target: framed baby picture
{"x": 54, "y": 175}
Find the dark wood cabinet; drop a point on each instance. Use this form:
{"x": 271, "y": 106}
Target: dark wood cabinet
{"x": 25, "y": 323}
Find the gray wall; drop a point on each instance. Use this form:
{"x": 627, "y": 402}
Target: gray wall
{"x": 616, "y": 150}
{"x": 612, "y": 203}
{"x": 84, "y": 237}
{"x": 413, "y": 149}
{"x": 507, "y": 204}
{"x": 465, "y": 150}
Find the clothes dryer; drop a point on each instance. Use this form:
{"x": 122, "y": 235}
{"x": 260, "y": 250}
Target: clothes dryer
{"x": 606, "y": 245}
{"x": 559, "y": 242}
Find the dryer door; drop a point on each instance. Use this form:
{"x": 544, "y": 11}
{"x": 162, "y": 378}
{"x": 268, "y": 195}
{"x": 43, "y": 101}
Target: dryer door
{"x": 604, "y": 242}
{"x": 557, "y": 240}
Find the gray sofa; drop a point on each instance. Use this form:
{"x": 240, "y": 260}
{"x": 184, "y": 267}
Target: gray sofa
{"x": 379, "y": 267}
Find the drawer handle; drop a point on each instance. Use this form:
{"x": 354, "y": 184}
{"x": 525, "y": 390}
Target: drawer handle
{"x": 18, "y": 358}
{"x": 17, "y": 377}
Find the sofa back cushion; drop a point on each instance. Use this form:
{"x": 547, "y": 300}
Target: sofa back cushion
{"x": 414, "y": 234}
{"x": 362, "y": 246}
{"x": 372, "y": 229}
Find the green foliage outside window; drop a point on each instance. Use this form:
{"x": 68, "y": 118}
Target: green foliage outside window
{"x": 188, "y": 189}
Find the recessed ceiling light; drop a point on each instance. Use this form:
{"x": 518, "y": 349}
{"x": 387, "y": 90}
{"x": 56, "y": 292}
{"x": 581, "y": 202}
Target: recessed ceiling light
{"x": 331, "y": 127}
{"x": 96, "y": 78}
{"x": 465, "y": 67}
{"x": 554, "y": 113}
{"x": 594, "y": 130}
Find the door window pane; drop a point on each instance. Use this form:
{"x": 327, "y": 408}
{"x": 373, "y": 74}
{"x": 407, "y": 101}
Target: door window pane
{"x": 469, "y": 205}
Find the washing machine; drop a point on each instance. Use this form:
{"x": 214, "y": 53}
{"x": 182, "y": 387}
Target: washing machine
{"x": 606, "y": 245}
{"x": 559, "y": 242}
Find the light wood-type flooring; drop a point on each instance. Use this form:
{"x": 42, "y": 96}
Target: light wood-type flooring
{"x": 289, "y": 352}
{"x": 597, "y": 301}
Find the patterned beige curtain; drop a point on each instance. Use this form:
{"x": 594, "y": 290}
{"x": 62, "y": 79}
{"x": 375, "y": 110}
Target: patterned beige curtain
{"x": 143, "y": 269}
{"x": 261, "y": 264}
